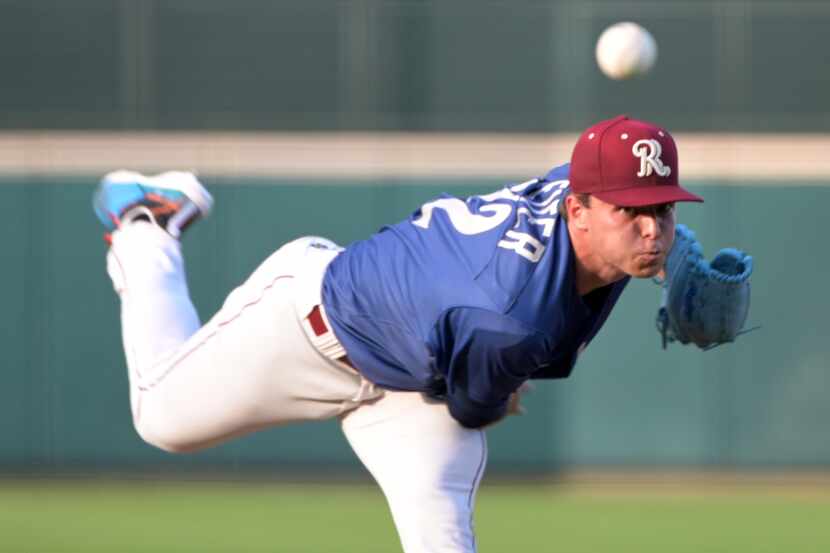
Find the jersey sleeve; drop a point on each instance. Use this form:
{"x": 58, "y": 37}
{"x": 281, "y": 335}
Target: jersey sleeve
{"x": 484, "y": 356}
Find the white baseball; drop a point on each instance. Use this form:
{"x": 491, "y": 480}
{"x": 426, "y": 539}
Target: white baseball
{"x": 626, "y": 50}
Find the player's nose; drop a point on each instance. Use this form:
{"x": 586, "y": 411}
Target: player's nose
{"x": 650, "y": 226}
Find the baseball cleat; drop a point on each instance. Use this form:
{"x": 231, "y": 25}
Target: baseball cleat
{"x": 172, "y": 200}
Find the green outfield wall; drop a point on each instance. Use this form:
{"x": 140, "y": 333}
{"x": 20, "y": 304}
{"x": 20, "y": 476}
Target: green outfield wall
{"x": 761, "y": 402}
{"x": 465, "y": 65}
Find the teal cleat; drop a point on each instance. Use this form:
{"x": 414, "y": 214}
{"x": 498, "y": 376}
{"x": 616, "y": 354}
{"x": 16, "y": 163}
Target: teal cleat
{"x": 172, "y": 200}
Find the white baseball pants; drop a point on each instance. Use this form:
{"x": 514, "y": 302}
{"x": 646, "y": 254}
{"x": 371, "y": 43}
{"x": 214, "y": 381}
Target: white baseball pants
{"x": 253, "y": 365}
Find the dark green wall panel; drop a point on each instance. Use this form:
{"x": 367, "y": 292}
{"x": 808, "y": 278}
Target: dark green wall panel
{"x": 14, "y": 330}
{"x": 466, "y": 65}
{"x": 61, "y": 64}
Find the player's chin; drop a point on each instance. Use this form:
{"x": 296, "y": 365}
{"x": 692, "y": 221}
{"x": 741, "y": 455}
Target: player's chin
{"x": 648, "y": 266}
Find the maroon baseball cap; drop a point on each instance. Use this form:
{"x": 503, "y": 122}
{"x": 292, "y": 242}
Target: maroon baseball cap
{"x": 629, "y": 163}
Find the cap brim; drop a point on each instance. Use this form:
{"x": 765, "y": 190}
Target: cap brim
{"x": 646, "y": 195}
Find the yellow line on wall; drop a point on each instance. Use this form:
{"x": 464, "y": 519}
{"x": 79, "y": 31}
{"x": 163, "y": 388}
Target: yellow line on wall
{"x": 730, "y": 157}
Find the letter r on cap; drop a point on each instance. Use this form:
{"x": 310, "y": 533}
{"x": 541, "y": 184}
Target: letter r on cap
{"x": 649, "y": 150}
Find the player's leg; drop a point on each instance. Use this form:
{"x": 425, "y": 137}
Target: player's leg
{"x": 249, "y": 367}
{"x": 428, "y": 466}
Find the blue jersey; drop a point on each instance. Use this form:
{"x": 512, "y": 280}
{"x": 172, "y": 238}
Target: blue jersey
{"x": 467, "y": 299}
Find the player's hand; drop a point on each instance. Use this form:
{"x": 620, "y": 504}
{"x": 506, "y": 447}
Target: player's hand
{"x": 514, "y": 404}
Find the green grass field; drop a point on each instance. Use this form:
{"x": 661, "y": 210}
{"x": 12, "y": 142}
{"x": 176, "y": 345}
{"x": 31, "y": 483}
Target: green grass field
{"x": 104, "y": 516}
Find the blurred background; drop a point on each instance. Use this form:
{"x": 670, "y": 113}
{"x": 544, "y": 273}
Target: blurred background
{"x": 336, "y": 117}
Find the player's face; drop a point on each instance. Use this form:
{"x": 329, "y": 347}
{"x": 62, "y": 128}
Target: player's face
{"x": 631, "y": 240}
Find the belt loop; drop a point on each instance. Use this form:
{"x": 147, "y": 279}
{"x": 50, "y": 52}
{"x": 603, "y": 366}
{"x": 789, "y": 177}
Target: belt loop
{"x": 318, "y": 330}
{"x": 317, "y": 322}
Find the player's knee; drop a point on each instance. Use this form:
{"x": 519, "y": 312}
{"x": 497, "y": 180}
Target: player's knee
{"x": 166, "y": 435}
{"x": 159, "y": 439}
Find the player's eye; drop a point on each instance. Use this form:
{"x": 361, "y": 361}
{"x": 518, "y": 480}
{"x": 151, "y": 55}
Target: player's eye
{"x": 664, "y": 209}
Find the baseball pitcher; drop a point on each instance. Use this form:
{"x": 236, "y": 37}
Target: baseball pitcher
{"x": 416, "y": 338}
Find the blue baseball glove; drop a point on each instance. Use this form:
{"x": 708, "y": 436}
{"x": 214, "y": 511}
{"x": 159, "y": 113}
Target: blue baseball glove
{"x": 704, "y": 303}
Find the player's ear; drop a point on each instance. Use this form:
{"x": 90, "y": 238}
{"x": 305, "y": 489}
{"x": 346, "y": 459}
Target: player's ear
{"x": 577, "y": 212}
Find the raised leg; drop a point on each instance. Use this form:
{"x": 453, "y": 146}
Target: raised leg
{"x": 249, "y": 367}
